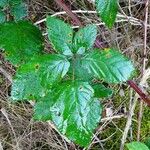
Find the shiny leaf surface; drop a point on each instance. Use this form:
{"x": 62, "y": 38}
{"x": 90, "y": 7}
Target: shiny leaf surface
{"x": 34, "y": 79}
{"x": 60, "y": 34}
{"x": 20, "y": 41}
{"x": 107, "y": 10}
{"x": 108, "y": 65}
{"x": 72, "y": 109}
{"x": 84, "y": 39}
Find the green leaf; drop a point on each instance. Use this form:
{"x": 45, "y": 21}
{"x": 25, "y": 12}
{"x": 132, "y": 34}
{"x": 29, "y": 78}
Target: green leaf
{"x": 72, "y": 109}
{"x": 34, "y": 79}
{"x": 3, "y": 3}
{"x": 60, "y": 34}
{"x": 2, "y": 17}
{"x": 107, "y": 10}
{"x": 108, "y": 65}
{"x": 15, "y": 2}
{"x": 19, "y": 11}
{"x": 78, "y": 71}
{"x": 137, "y": 146}
{"x": 20, "y": 41}
{"x": 147, "y": 142}
{"x": 100, "y": 91}
{"x": 84, "y": 39}
{"x": 27, "y": 87}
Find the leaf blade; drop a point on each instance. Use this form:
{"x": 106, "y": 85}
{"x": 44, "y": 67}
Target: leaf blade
{"x": 107, "y": 10}
{"x": 20, "y": 41}
{"x": 34, "y": 79}
{"x": 100, "y": 91}
{"x": 73, "y": 111}
{"x": 108, "y": 65}
{"x": 60, "y": 34}
{"x": 19, "y": 11}
{"x": 85, "y": 38}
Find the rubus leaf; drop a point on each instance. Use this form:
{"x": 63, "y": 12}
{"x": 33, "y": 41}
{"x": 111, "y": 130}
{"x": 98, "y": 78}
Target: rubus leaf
{"x": 60, "y": 34}
{"x": 100, "y": 91}
{"x": 137, "y": 146}
{"x": 20, "y": 41}
{"x": 108, "y": 65}
{"x": 19, "y": 11}
{"x": 2, "y": 17}
{"x": 84, "y": 39}
{"x": 72, "y": 109}
{"x": 34, "y": 79}
{"x": 107, "y": 10}
{"x": 3, "y": 3}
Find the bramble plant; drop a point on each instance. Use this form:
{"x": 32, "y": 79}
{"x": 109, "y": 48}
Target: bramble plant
{"x": 67, "y": 85}
{"x": 61, "y": 83}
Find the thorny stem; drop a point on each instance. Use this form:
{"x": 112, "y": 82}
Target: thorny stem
{"x": 133, "y": 85}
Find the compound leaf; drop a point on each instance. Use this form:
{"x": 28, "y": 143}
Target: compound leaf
{"x": 100, "y": 91}
{"x": 2, "y": 17}
{"x": 137, "y": 146}
{"x": 84, "y": 39}
{"x": 20, "y": 41}
{"x": 35, "y": 78}
{"x": 108, "y": 65}
{"x": 107, "y": 10}
{"x": 72, "y": 109}
{"x": 60, "y": 34}
{"x": 19, "y": 11}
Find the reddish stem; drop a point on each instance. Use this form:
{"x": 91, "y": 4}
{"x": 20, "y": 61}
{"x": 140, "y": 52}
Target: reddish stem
{"x": 143, "y": 96}
{"x": 69, "y": 12}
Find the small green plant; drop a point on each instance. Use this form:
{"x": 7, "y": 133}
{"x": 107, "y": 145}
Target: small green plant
{"x": 15, "y": 8}
{"x": 66, "y": 85}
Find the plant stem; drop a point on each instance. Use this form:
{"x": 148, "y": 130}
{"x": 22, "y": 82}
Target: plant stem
{"x": 69, "y": 12}
{"x": 143, "y": 96}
